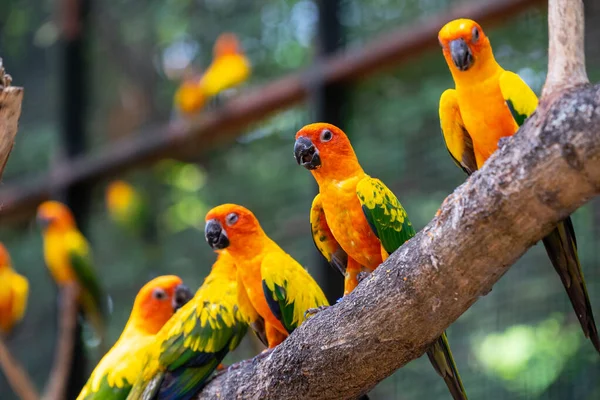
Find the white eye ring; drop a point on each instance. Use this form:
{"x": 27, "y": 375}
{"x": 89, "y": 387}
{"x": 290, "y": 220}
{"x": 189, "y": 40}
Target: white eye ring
{"x": 326, "y": 135}
{"x": 231, "y": 219}
{"x": 475, "y": 34}
{"x": 159, "y": 294}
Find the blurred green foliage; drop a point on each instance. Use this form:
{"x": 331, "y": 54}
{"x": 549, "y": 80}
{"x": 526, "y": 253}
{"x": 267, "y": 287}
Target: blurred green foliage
{"x": 522, "y": 341}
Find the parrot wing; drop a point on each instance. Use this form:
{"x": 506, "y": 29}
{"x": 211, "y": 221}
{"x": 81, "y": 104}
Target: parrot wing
{"x": 289, "y": 289}
{"x": 323, "y": 238}
{"x": 561, "y": 243}
{"x": 519, "y": 98}
{"x": 386, "y": 216}
{"x": 252, "y": 318}
{"x": 458, "y": 141}
{"x": 441, "y": 358}
{"x": 195, "y": 341}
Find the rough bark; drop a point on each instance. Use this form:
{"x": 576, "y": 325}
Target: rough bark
{"x": 536, "y": 179}
{"x": 10, "y": 110}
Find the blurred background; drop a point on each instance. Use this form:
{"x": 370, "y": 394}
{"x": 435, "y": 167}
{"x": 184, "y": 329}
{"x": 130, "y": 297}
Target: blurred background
{"x": 101, "y": 75}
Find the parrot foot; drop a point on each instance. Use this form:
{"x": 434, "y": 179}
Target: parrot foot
{"x": 362, "y": 275}
{"x": 313, "y": 311}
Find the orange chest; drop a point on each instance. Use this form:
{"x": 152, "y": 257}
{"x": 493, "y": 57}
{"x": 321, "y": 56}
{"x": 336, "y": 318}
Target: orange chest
{"x": 249, "y": 271}
{"x": 486, "y": 116}
{"x": 349, "y": 226}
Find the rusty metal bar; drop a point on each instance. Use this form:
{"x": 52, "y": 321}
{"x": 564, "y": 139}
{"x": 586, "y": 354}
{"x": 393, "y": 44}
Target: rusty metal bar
{"x": 225, "y": 124}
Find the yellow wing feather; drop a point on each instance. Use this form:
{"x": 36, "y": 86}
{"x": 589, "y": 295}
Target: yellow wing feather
{"x": 518, "y": 96}
{"x": 458, "y": 141}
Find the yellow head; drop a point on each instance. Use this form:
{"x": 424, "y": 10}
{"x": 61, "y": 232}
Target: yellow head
{"x": 53, "y": 214}
{"x": 465, "y": 46}
{"x": 119, "y": 195}
{"x": 157, "y": 301}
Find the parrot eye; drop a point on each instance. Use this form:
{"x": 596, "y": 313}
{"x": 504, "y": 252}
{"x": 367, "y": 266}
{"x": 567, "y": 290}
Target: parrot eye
{"x": 326, "y": 135}
{"x": 475, "y": 35}
{"x": 231, "y": 219}
{"x": 159, "y": 294}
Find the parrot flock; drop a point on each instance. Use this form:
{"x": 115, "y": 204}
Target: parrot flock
{"x": 174, "y": 341}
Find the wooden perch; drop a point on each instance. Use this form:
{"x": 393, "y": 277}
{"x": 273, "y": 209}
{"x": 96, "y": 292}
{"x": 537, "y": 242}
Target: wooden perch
{"x": 16, "y": 376}
{"x": 10, "y": 110}
{"x": 536, "y": 179}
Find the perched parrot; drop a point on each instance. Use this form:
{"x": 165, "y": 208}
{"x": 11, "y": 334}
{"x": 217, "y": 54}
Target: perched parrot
{"x": 487, "y": 104}
{"x": 230, "y": 66}
{"x": 69, "y": 259}
{"x": 116, "y": 373}
{"x": 279, "y": 288}
{"x": 128, "y": 208}
{"x": 14, "y": 290}
{"x": 356, "y": 221}
{"x": 193, "y": 343}
{"x": 189, "y": 97}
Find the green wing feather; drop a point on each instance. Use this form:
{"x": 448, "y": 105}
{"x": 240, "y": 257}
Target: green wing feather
{"x": 289, "y": 289}
{"x": 520, "y": 99}
{"x": 441, "y": 357}
{"x": 385, "y": 214}
{"x": 323, "y": 238}
{"x": 105, "y": 391}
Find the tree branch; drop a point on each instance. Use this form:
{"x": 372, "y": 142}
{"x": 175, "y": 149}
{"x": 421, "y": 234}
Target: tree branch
{"x": 536, "y": 179}
{"x": 17, "y": 377}
{"x": 10, "y": 110}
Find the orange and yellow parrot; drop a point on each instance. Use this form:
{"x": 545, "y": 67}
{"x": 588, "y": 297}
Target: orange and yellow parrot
{"x": 69, "y": 259}
{"x": 14, "y": 291}
{"x": 487, "y": 104}
{"x": 116, "y": 373}
{"x": 279, "y": 288}
{"x": 193, "y": 343}
{"x": 127, "y": 207}
{"x": 230, "y": 67}
{"x": 356, "y": 221}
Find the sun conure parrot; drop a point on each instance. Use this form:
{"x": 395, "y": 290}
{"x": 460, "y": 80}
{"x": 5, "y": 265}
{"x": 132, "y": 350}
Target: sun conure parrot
{"x": 69, "y": 259}
{"x": 279, "y": 288}
{"x": 193, "y": 343}
{"x": 128, "y": 208}
{"x": 490, "y": 103}
{"x": 116, "y": 373}
{"x": 356, "y": 221}
{"x": 14, "y": 290}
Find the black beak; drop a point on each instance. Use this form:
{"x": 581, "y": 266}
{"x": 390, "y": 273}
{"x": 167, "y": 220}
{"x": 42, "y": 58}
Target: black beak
{"x": 181, "y": 296}
{"x": 461, "y": 54}
{"x": 43, "y": 221}
{"x": 306, "y": 153}
{"x": 215, "y": 236}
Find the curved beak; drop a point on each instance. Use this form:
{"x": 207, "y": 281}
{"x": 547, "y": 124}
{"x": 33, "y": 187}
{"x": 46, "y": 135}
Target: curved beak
{"x": 43, "y": 221}
{"x": 461, "y": 54}
{"x": 215, "y": 235}
{"x": 181, "y": 296}
{"x": 306, "y": 153}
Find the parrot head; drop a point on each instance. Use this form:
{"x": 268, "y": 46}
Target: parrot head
{"x": 55, "y": 214}
{"x": 228, "y": 224}
{"x": 464, "y": 44}
{"x": 119, "y": 195}
{"x": 4, "y": 257}
{"x": 325, "y": 150}
{"x": 158, "y": 300}
{"x": 226, "y": 44}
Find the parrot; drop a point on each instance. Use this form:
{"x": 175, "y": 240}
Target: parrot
{"x": 193, "y": 343}
{"x": 279, "y": 288}
{"x": 230, "y": 67}
{"x": 356, "y": 221}
{"x": 154, "y": 305}
{"x": 14, "y": 291}
{"x": 128, "y": 208}
{"x": 68, "y": 257}
{"x": 487, "y": 104}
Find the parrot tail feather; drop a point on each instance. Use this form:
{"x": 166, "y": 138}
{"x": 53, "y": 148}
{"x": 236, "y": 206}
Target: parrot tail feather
{"x": 561, "y": 246}
{"x": 441, "y": 358}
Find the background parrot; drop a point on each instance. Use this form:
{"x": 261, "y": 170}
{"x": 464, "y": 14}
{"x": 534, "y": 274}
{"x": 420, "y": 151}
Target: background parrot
{"x": 129, "y": 209}
{"x": 230, "y": 67}
{"x": 356, "y": 221}
{"x": 155, "y": 303}
{"x": 487, "y": 104}
{"x": 279, "y": 288}
{"x": 14, "y": 290}
{"x": 69, "y": 259}
{"x": 193, "y": 343}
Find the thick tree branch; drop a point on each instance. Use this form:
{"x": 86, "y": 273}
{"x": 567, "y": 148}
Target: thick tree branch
{"x": 536, "y": 179}
{"x": 10, "y": 110}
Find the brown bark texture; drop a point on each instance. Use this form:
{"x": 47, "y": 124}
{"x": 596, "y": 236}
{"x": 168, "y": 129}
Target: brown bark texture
{"x": 10, "y": 110}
